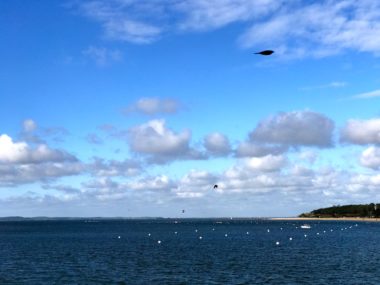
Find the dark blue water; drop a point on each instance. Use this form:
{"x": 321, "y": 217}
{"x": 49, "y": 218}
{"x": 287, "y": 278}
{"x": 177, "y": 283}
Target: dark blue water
{"x": 79, "y": 252}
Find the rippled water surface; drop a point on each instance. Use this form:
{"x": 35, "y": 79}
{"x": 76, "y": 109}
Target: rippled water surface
{"x": 189, "y": 252}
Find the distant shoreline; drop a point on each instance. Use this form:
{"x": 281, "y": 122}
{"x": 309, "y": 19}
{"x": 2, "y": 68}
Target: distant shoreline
{"x": 328, "y": 219}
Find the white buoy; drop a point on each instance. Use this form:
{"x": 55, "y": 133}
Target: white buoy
{"x": 290, "y": 238}
{"x": 277, "y": 242}
{"x": 200, "y": 237}
{"x": 324, "y": 231}
{"x": 317, "y": 233}
{"x": 119, "y": 237}
{"x": 226, "y": 235}
{"x": 175, "y": 233}
{"x": 159, "y": 242}
{"x": 247, "y": 233}
{"x": 331, "y": 230}
{"x": 149, "y": 235}
{"x": 305, "y": 235}
{"x": 213, "y": 229}
{"x": 268, "y": 230}
{"x": 196, "y": 231}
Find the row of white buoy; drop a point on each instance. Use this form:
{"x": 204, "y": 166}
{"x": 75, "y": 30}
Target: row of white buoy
{"x": 268, "y": 230}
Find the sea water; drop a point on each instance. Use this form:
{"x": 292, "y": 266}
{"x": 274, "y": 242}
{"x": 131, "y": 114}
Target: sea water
{"x": 169, "y": 251}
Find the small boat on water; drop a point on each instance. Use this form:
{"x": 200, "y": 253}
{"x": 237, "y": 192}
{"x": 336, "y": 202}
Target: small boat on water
{"x": 305, "y": 226}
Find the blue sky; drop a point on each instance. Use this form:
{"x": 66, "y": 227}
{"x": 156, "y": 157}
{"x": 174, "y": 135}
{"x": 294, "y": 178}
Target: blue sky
{"x": 137, "y": 108}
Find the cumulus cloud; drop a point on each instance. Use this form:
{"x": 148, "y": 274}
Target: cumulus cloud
{"x": 195, "y": 184}
{"x": 154, "y": 106}
{"x": 370, "y": 158}
{"x": 161, "y": 144}
{"x": 62, "y": 188}
{"x": 361, "y": 132}
{"x": 13, "y": 175}
{"x": 104, "y": 188}
{"x": 126, "y": 168}
{"x": 160, "y": 182}
{"x": 299, "y": 128}
{"x": 32, "y": 133}
{"x": 245, "y": 149}
{"x": 217, "y": 144}
{"x": 21, "y": 163}
{"x": 266, "y": 163}
{"x": 20, "y": 152}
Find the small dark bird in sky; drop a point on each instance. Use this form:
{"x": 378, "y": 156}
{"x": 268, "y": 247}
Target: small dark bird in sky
{"x": 183, "y": 211}
{"x": 215, "y": 186}
{"x": 265, "y": 52}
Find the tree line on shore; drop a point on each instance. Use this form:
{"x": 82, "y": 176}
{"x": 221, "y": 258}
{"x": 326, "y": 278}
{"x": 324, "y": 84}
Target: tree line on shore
{"x": 363, "y": 211}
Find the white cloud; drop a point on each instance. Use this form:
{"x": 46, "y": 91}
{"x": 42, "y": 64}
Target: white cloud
{"x": 333, "y": 84}
{"x": 206, "y": 15}
{"x": 367, "y": 95}
{"x": 119, "y": 20}
{"x": 20, "y": 152}
{"x": 161, "y": 144}
{"x": 245, "y": 149}
{"x": 20, "y": 163}
{"x": 320, "y": 29}
{"x": 266, "y": 163}
{"x": 293, "y": 28}
{"x": 370, "y": 158}
{"x": 300, "y": 128}
{"x": 13, "y": 175}
{"x": 195, "y": 184}
{"x": 160, "y": 182}
{"x": 154, "y": 138}
{"x": 217, "y": 144}
{"x": 131, "y": 31}
{"x": 102, "y": 56}
{"x": 153, "y": 106}
{"x": 126, "y": 168}
{"x": 29, "y": 125}
{"x": 361, "y": 132}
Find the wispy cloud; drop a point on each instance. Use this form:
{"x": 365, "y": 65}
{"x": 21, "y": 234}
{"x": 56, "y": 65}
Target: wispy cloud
{"x": 295, "y": 29}
{"x": 320, "y": 29}
{"x": 367, "y": 95}
{"x": 102, "y": 56}
{"x": 333, "y": 84}
{"x": 153, "y": 106}
{"x": 124, "y": 20}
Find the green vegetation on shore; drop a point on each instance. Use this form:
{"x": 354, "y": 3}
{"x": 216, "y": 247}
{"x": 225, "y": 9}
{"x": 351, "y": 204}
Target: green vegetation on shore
{"x": 363, "y": 211}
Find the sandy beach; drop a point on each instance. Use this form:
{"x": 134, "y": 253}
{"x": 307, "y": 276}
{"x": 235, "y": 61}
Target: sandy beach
{"x": 327, "y": 219}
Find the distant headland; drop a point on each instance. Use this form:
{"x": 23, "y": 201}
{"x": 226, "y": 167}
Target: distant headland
{"x": 370, "y": 211}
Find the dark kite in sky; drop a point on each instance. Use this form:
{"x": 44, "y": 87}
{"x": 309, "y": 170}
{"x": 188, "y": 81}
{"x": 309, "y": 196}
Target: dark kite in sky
{"x": 265, "y": 52}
